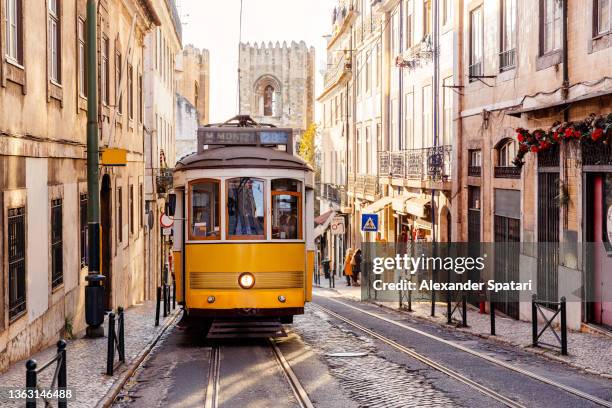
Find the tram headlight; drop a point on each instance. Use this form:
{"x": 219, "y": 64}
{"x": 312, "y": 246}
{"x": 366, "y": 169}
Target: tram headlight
{"x": 246, "y": 280}
{"x": 211, "y": 299}
{"x": 282, "y": 299}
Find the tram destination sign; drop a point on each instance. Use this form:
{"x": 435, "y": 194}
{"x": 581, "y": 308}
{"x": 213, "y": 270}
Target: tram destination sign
{"x": 215, "y": 136}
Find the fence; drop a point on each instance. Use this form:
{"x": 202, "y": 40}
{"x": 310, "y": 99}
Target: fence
{"x": 59, "y": 377}
{"x": 116, "y": 341}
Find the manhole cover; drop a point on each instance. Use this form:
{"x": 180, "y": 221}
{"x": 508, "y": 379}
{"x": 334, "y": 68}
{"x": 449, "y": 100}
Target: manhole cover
{"x": 347, "y": 354}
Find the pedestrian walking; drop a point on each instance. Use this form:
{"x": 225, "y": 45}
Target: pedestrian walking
{"x": 348, "y": 271}
{"x": 356, "y": 266}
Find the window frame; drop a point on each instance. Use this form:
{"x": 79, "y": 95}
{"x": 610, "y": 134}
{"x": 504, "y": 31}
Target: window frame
{"x": 503, "y": 34}
{"x": 17, "y": 24}
{"x": 83, "y": 229}
{"x": 119, "y": 197}
{"x": 472, "y": 45}
{"x": 263, "y": 237}
{"x": 503, "y": 150}
{"x": 54, "y": 33}
{"x": 118, "y": 75}
{"x": 19, "y": 212}
{"x": 82, "y": 59}
{"x": 190, "y": 208}
{"x": 105, "y": 71}
{"x": 130, "y": 91}
{"x": 297, "y": 194}
{"x": 57, "y": 280}
{"x": 542, "y": 28}
{"x": 596, "y": 13}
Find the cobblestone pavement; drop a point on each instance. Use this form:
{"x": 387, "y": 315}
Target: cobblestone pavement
{"x": 369, "y": 378}
{"x": 86, "y": 359}
{"x": 581, "y": 346}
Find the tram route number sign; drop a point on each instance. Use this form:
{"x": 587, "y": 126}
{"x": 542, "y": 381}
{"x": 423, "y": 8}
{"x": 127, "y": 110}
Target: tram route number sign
{"x": 369, "y": 222}
{"x": 337, "y": 226}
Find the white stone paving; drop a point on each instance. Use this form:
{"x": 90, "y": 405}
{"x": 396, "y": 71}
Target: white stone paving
{"x": 86, "y": 359}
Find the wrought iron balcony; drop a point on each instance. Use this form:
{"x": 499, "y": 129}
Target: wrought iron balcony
{"x": 331, "y": 192}
{"x": 474, "y": 171}
{"x": 509, "y": 172}
{"x": 432, "y": 163}
{"x": 594, "y": 154}
{"x": 507, "y": 59}
{"x": 164, "y": 180}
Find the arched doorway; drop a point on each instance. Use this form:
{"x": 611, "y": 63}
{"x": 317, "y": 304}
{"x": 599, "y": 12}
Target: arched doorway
{"x": 106, "y": 239}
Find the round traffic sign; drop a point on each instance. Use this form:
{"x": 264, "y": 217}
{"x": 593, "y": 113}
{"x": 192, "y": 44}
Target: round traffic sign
{"x": 166, "y": 221}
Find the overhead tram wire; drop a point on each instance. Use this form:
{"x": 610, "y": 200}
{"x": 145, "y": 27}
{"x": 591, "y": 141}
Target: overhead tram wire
{"x": 239, "y": 55}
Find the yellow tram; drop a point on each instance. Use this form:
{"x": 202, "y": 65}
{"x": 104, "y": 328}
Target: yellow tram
{"x": 243, "y": 231}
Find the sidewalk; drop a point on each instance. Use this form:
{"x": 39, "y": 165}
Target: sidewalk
{"x": 86, "y": 359}
{"x": 590, "y": 352}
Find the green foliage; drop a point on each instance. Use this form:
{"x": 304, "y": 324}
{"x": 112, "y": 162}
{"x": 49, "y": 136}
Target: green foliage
{"x": 306, "y": 148}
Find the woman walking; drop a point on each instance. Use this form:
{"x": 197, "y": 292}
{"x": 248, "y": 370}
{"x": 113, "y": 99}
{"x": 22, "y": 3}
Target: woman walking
{"x": 356, "y": 266}
{"x": 348, "y": 272}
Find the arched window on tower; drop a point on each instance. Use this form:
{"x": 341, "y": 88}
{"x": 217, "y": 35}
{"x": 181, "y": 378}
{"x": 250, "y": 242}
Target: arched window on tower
{"x": 268, "y": 101}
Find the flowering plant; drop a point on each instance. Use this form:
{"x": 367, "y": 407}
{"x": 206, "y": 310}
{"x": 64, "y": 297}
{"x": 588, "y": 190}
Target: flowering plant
{"x": 593, "y": 129}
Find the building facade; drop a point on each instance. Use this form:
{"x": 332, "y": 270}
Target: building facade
{"x": 277, "y": 84}
{"x": 162, "y": 45}
{"x": 43, "y": 194}
{"x": 193, "y": 80}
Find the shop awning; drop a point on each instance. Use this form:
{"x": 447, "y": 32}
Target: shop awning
{"x": 399, "y": 203}
{"x": 325, "y": 219}
{"x": 377, "y": 205}
{"x": 416, "y": 205}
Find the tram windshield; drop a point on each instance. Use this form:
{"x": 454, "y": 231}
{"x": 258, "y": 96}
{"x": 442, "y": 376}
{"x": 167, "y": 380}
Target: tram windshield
{"x": 245, "y": 208}
{"x": 286, "y": 205}
{"x": 205, "y": 210}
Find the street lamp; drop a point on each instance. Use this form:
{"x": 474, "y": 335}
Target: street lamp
{"x": 94, "y": 291}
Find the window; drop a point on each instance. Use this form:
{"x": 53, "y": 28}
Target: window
{"x": 475, "y": 158}
{"x": 447, "y": 107}
{"x": 551, "y": 26}
{"x": 54, "y": 41}
{"x": 506, "y": 153}
{"x": 603, "y": 17}
{"x": 16, "y": 262}
{"x": 476, "y": 40}
{"x": 140, "y": 206}
{"x": 358, "y": 76}
{"x": 368, "y": 72}
{"x": 119, "y": 214}
{"x": 507, "y": 52}
{"x": 246, "y": 208}
{"x": 268, "y": 101}
{"x": 57, "y": 246}
{"x": 83, "y": 229}
{"x": 131, "y": 209}
{"x": 105, "y": 72}
{"x": 140, "y": 100}
{"x": 427, "y": 18}
{"x": 427, "y": 117}
{"x": 408, "y": 121}
{"x": 378, "y": 66}
{"x": 205, "y": 217}
{"x": 14, "y": 31}
{"x": 118, "y": 97}
{"x": 82, "y": 58}
{"x": 368, "y": 150}
{"x": 409, "y": 23}
{"x": 447, "y": 6}
{"x": 130, "y": 91}
{"x": 286, "y": 209}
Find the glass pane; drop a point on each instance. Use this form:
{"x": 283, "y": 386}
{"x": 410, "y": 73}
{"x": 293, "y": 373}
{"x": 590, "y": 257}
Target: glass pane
{"x": 285, "y": 216}
{"x": 205, "y": 210}
{"x": 245, "y": 207}
{"x": 603, "y": 16}
{"x": 286, "y": 185}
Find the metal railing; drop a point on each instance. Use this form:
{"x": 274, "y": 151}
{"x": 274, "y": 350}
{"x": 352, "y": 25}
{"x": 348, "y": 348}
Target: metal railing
{"x": 331, "y": 192}
{"x": 164, "y": 180}
{"x": 507, "y": 59}
{"x": 509, "y": 172}
{"x": 594, "y": 154}
{"x": 60, "y": 377}
{"x": 432, "y": 163}
{"x": 474, "y": 171}
{"x": 561, "y": 310}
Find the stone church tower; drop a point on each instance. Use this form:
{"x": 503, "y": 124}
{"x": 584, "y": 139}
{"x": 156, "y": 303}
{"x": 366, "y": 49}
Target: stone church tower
{"x": 277, "y": 84}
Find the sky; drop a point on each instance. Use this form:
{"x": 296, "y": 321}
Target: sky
{"x": 214, "y": 25}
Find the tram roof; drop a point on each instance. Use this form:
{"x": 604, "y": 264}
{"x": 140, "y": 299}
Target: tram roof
{"x": 242, "y": 157}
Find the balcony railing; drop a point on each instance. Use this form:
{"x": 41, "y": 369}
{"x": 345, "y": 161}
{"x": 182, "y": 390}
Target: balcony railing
{"x": 164, "y": 180}
{"x": 594, "y": 154}
{"x": 333, "y": 74}
{"x": 432, "y": 163}
{"x": 474, "y": 171}
{"x": 509, "y": 172}
{"x": 507, "y": 59}
{"x": 331, "y": 192}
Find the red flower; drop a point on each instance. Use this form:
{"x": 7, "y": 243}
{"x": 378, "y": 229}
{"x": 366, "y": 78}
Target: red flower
{"x": 569, "y": 132}
{"x": 597, "y": 134}
{"x": 534, "y": 149}
{"x": 520, "y": 138}
{"x": 577, "y": 134}
{"x": 556, "y": 136}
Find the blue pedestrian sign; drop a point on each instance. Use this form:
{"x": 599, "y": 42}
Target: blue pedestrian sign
{"x": 369, "y": 222}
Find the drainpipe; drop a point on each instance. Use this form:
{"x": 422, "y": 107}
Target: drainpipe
{"x": 94, "y": 291}
{"x": 564, "y": 94}
{"x": 436, "y": 85}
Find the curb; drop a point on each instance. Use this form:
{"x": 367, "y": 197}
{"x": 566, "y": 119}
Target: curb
{"x": 114, "y": 390}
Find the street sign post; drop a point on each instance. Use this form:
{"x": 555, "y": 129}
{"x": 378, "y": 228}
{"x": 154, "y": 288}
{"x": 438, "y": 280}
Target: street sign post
{"x": 337, "y": 226}
{"x": 369, "y": 222}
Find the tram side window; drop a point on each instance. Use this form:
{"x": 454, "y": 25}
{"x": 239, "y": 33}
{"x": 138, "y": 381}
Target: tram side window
{"x": 205, "y": 210}
{"x": 246, "y": 208}
{"x": 286, "y": 209}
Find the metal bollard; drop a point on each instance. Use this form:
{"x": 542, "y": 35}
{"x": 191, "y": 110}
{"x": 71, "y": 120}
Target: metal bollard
{"x": 110, "y": 352}
{"x": 433, "y": 303}
{"x": 534, "y": 322}
{"x": 173, "y": 294}
{"x": 165, "y": 300}
{"x": 464, "y": 310}
{"x": 563, "y": 307}
{"x": 492, "y": 313}
{"x": 62, "y": 377}
{"x": 31, "y": 382}
{"x": 157, "y": 306}
{"x": 121, "y": 335}
{"x": 449, "y": 310}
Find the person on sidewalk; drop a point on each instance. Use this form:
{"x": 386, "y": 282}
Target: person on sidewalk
{"x": 356, "y": 266}
{"x": 348, "y": 272}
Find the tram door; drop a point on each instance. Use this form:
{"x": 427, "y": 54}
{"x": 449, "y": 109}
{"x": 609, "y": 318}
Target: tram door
{"x": 600, "y": 311}
{"x": 106, "y": 238}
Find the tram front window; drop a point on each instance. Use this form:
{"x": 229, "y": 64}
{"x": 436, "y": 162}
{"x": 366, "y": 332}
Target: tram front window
{"x": 245, "y": 208}
{"x": 204, "y": 223}
{"x": 286, "y": 209}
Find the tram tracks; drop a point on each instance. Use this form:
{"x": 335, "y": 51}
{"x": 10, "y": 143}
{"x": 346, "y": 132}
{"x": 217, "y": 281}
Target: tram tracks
{"x": 212, "y": 399}
{"x": 448, "y": 371}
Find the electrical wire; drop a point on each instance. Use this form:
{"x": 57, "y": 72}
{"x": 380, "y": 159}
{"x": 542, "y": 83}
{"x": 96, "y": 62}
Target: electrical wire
{"x": 239, "y": 55}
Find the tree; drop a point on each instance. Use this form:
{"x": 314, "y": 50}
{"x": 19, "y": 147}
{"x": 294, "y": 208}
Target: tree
{"x": 307, "y": 148}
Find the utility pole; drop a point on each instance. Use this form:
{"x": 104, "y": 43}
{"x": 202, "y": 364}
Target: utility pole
{"x": 94, "y": 291}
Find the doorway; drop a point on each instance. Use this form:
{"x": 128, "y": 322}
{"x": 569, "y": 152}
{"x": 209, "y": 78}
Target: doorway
{"x": 106, "y": 238}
